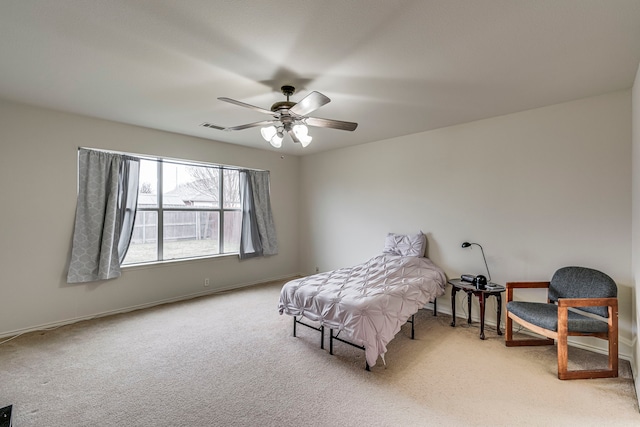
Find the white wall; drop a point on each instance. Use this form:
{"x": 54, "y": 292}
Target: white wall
{"x": 540, "y": 189}
{"x": 635, "y": 251}
{"x": 38, "y": 174}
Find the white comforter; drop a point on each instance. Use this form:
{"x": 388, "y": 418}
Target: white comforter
{"x": 368, "y": 302}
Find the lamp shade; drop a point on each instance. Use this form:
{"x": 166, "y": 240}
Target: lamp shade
{"x": 302, "y": 133}
{"x": 272, "y": 136}
{"x": 268, "y": 133}
{"x": 276, "y": 141}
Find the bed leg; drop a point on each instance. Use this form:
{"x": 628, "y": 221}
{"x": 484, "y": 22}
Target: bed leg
{"x": 413, "y": 332}
{"x": 331, "y": 341}
{"x": 366, "y": 367}
{"x": 435, "y": 307}
{"x": 322, "y": 337}
{"x": 294, "y": 326}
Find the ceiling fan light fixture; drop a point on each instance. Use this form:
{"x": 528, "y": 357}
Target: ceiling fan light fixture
{"x": 276, "y": 141}
{"x": 268, "y": 132}
{"x": 272, "y": 136}
{"x": 302, "y": 133}
{"x": 305, "y": 142}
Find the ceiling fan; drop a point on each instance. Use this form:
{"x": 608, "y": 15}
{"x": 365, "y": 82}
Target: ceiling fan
{"x": 289, "y": 117}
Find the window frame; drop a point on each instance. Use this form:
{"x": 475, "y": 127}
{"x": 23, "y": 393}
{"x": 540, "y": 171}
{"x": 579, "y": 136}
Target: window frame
{"x": 159, "y": 209}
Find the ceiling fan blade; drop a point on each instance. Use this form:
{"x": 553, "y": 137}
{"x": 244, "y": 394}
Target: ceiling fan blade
{"x": 242, "y": 104}
{"x": 329, "y": 123}
{"x": 293, "y": 135}
{"x": 309, "y": 103}
{"x": 251, "y": 125}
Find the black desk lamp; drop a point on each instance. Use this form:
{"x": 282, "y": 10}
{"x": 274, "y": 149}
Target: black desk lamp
{"x": 467, "y": 244}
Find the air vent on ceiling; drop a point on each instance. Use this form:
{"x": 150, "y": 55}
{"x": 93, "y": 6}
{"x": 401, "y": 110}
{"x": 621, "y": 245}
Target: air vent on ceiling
{"x": 210, "y": 125}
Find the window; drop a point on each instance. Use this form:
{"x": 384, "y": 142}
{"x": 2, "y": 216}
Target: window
{"x": 185, "y": 210}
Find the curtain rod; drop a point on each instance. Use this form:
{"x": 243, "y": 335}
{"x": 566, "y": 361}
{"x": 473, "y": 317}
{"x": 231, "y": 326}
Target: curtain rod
{"x": 170, "y": 159}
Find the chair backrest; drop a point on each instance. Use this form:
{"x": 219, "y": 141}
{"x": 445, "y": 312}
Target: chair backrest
{"x": 582, "y": 282}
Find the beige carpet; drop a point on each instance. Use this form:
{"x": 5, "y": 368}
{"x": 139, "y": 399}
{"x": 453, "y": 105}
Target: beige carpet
{"x": 230, "y": 360}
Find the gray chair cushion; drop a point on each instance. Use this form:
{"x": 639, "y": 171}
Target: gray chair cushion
{"x": 546, "y": 316}
{"x": 582, "y": 282}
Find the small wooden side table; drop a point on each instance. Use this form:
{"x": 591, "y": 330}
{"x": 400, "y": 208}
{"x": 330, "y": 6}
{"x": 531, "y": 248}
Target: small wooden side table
{"x": 492, "y": 289}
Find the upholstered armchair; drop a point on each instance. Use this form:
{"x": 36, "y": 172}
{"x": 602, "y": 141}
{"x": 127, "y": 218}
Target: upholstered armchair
{"x": 580, "y": 302}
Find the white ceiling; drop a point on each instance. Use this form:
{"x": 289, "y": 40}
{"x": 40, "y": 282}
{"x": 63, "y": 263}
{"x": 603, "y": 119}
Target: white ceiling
{"x": 395, "y": 67}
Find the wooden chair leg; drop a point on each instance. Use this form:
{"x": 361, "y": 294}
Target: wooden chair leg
{"x": 613, "y": 355}
{"x": 613, "y": 339}
{"x": 563, "y": 351}
{"x": 508, "y": 330}
{"x": 563, "y": 371}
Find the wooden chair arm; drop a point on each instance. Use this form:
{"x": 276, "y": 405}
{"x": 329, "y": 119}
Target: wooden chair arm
{"x": 587, "y": 302}
{"x": 524, "y": 285}
{"x": 528, "y": 285}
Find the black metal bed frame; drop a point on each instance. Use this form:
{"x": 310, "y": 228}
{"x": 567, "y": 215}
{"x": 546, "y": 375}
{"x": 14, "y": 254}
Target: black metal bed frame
{"x": 335, "y": 337}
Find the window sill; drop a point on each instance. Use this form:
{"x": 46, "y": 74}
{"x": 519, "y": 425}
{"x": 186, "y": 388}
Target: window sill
{"x": 146, "y": 265}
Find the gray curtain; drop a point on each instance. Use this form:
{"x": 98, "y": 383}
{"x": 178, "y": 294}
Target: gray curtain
{"x": 258, "y": 236}
{"x": 105, "y": 214}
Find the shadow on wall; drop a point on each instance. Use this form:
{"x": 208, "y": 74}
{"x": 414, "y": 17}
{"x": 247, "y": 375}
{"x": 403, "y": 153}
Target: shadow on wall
{"x": 434, "y": 253}
{"x": 626, "y": 312}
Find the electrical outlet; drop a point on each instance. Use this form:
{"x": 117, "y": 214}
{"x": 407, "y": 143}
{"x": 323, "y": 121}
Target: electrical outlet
{"x": 317, "y": 270}
{"x": 206, "y": 282}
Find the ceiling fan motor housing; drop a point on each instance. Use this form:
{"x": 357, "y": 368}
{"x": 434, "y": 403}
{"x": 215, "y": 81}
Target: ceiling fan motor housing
{"x": 281, "y": 108}
{"x": 282, "y": 105}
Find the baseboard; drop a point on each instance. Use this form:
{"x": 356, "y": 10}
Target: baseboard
{"x": 54, "y": 325}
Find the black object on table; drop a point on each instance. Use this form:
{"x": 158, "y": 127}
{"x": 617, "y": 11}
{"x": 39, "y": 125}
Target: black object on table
{"x": 492, "y": 289}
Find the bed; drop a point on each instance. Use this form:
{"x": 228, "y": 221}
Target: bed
{"x": 369, "y": 302}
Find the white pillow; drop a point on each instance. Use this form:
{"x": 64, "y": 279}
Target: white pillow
{"x": 405, "y": 245}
